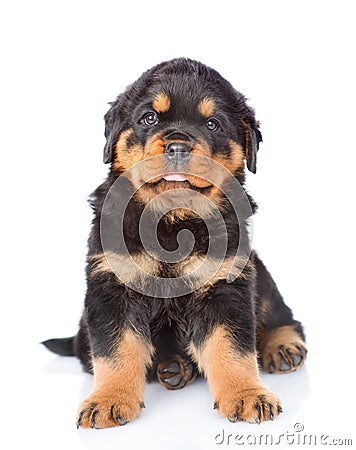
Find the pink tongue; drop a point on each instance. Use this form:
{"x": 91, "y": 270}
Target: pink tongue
{"x": 175, "y": 177}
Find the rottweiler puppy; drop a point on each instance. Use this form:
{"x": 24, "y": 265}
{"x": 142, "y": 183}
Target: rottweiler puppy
{"x": 174, "y": 289}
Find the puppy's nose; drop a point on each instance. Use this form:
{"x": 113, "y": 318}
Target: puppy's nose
{"x": 178, "y": 151}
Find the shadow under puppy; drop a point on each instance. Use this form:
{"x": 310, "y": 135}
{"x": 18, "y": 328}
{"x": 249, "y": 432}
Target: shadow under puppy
{"x": 178, "y": 140}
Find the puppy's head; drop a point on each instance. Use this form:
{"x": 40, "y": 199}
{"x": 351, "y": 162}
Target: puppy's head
{"x": 181, "y": 125}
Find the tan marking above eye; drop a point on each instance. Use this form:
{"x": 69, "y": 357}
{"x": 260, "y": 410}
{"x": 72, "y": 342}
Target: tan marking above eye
{"x": 161, "y": 103}
{"x": 207, "y": 107}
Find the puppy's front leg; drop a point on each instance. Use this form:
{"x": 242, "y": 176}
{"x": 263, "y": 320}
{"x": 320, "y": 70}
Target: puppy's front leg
{"x": 223, "y": 346}
{"x": 121, "y": 351}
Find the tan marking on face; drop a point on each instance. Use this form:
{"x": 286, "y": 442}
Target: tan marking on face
{"x": 170, "y": 207}
{"x": 199, "y": 174}
{"x": 233, "y": 378}
{"x": 148, "y": 171}
{"x": 207, "y": 107}
{"x": 129, "y": 269}
{"x": 195, "y": 206}
{"x": 154, "y": 146}
{"x": 161, "y": 103}
{"x": 196, "y": 170}
{"x": 200, "y": 169}
{"x": 154, "y": 168}
{"x": 233, "y": 162}
{"x": 119, "y": 383}
{"x": 125, "y": 157}
{"x": 210, "y": 174}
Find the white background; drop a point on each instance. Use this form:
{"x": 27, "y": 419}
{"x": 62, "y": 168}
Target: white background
{"x": 61, "y": 62}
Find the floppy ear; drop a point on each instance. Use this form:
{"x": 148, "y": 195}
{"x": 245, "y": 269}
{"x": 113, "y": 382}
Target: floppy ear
{"x": 253, "y": 137}
{"x": 108, "y": 149}
{"x": 112, "y": 129}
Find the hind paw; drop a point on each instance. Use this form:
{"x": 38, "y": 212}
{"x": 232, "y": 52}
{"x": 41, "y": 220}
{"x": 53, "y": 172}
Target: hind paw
{"x": 283, "y": 351}
{"x": 176, "y": 372}
{"x": 285, "y": 358}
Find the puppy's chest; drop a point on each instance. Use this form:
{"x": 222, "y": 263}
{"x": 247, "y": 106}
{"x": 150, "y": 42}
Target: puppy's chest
{"x": 176, "y": 251}
{"x": 196, "y": 271}
{"x": 172, "y": 261}
{"x": 166, "y": 264}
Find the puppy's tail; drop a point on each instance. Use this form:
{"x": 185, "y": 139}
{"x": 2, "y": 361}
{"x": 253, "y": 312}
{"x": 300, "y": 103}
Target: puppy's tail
{"x": 63, "y": 346}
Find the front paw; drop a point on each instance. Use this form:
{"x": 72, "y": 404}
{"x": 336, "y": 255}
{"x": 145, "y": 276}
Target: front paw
{"x": 102, "y": 410}
{"x": 253, "y": 405}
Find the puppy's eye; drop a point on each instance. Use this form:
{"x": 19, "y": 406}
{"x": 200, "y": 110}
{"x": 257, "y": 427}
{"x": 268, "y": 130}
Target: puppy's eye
{"x": 150, "y": 119}
{"x": 212, "y": 125}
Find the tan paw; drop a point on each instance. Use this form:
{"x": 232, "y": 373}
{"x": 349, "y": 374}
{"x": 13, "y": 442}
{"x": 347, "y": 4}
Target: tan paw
{"x": 253, "y": 405}
{"x": 101, "y": 410}
{"x": 282, "y": 350}
{"x": 284, "y": 358}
